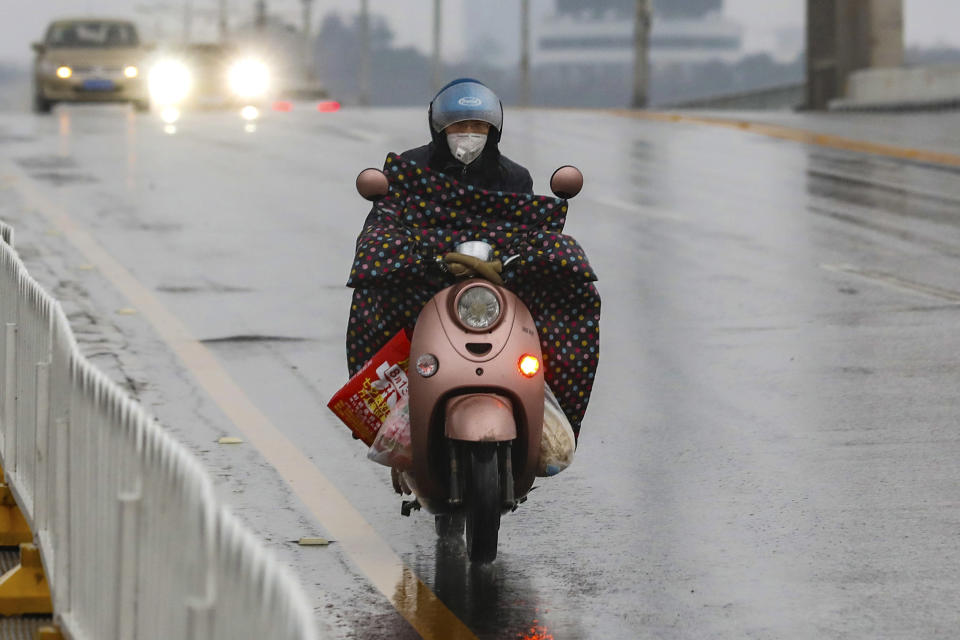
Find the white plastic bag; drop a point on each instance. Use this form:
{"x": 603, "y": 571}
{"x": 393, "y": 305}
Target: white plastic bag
{"x": 392, "y": 446}
{"x": 557, "y": 444}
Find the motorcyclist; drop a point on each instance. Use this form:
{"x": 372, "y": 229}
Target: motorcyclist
{"x": 466, "y": 122}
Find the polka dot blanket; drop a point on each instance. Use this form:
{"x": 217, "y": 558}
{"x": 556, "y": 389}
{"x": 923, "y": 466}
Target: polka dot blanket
{"x": 426, "y": 214}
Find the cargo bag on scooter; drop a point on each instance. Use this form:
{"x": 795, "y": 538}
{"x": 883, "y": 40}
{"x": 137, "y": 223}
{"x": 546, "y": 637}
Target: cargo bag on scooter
{"x": 392, "y": 446}
{"x": 557, "y": 444}
{"x": 366, "y": 401}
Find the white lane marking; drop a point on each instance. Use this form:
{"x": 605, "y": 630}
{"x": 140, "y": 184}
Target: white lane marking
{"x": 895, "y": 282}
{"x": 369, "y": 552}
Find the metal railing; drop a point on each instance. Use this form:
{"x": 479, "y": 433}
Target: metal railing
{"x": 134, "y": 543}
{"x": 6, "y": 233}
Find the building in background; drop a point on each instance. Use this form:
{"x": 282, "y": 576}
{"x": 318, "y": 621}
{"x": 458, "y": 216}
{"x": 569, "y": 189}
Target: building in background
{"x": 491, "y": 29}
{"x": 599, "y": 33}
{"x": 788, "y": 42}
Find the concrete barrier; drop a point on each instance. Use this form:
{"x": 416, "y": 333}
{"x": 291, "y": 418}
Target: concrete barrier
{"x": 788, "y": 97}
{"x": 901, "y": 88}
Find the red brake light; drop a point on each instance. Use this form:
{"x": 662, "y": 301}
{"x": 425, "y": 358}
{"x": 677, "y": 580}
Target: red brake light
{"x": 328, "y": 106}
{"x": 529, "y": 365}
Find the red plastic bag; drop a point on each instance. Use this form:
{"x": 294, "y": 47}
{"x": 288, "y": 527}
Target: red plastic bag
{"x": 365, "y": 402}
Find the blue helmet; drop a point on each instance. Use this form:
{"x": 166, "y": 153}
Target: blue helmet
{"x": 466, "y": 99}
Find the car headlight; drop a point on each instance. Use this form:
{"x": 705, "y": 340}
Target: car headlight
{"x": 64, "y": 72}
{"x": 131, "y": 71}
{"x": 249, "y": 78}
{"x": 478, "y": 308}
{"x": 170, "y": 115}
{"x": 170, "y": 82}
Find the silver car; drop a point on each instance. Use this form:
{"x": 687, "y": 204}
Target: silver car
{"x": 89, "y": 60}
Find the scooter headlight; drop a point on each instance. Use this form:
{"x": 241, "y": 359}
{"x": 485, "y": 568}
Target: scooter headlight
{"x": 478, "y": 308}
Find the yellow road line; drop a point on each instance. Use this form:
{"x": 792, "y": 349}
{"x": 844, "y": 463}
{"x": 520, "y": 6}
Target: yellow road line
{"x": 802, "y": 136}
{"x": 376, "y": 559}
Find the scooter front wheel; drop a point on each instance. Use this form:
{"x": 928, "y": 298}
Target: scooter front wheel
{"x": 483, "y": 502}
{"x": 450, "y": 526}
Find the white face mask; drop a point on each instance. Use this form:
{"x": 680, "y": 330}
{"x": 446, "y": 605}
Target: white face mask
{"x": 466, "y": 147}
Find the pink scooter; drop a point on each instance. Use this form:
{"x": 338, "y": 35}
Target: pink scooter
{"x": 476, "y": 392}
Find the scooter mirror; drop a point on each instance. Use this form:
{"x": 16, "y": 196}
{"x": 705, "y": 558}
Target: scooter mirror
{"x": 372, "y": 184}
{"x": 566, "y": 182}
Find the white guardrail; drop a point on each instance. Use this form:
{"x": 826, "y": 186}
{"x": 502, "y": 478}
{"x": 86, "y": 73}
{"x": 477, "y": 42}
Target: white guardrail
{"x": 6, "y": 233}
{"x": 134, "y": 543}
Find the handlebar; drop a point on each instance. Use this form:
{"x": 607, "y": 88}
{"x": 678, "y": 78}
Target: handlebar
{"x": 566, "y": 182}
{"x": 463, "y": 265}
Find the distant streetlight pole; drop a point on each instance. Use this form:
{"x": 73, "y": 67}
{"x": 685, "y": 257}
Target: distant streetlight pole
{"x": 222, "y": 19}
{"x": 187, "y": 19}
{"x": 525, "y": 53}
{"x": 641, "y": 52}
{"x": 437, "y": 71}
{"x": 260, "y": 15}
{"x": 364, "y": 97}
{"x": 307, "y": 40}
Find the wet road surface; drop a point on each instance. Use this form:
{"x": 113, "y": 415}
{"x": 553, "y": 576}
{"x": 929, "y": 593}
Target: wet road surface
{"x": 771, "y": 447}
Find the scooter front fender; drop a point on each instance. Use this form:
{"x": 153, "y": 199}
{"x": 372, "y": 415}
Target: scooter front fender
{"x": 480, "y": 417}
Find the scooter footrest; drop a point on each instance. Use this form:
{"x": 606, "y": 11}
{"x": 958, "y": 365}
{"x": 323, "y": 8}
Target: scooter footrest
{"x": 408, "y": 506}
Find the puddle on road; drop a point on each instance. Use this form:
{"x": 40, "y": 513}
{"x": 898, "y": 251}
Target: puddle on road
{"x": 252, "y": 338}
{"x": 495, "y": 600}
{"x": 55, "y": 170}
{"x": 207, "y": 288}
{"x": 46, "y": 162}
{"x": 59, "y": 179}
{"x": 11, "y": 138}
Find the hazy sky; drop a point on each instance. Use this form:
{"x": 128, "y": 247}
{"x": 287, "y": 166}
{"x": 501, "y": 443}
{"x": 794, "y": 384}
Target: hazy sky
{"x": 928, "y": 22}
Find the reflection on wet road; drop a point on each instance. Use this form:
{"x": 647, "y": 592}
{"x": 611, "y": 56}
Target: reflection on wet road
{"x": 771, "y": 448}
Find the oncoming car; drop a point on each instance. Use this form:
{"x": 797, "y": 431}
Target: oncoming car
{"x": 89, "y": 60}
{"x": 209, "y": 76}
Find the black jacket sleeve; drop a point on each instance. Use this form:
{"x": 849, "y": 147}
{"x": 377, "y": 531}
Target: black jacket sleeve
{"x": 525, "y": 184}
{"x": 516, "y": 178}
